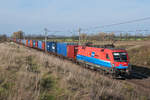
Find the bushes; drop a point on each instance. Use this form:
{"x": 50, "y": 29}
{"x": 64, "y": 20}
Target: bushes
{"x": 49, "y": 88}
{"x": 31, "y": 65}
{"x": 47, "y": 83}
{"x": 5, "y": 88}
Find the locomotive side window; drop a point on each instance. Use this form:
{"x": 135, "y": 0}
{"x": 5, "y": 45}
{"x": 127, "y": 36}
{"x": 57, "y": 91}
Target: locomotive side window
{"x": 120, "y": 56}
{"x": 107, "y": 56}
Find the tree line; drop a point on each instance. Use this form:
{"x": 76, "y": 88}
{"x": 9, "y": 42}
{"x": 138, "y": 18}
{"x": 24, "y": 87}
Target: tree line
{"x": 102, "y": 36}
{"x": 113, "y": 37}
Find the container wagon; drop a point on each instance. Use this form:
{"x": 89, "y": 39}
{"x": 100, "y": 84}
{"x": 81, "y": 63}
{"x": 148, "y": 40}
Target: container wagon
{"x": 43, "y": 46}
{"x": 28, "y": 43}
{"x": 40, "y": 45}
{"x": 34, "y": 42}
{"x": 51, "y": 47}
{"x": 72, "y": 51}
{"x": 62, "y": 49}
{"x": 31, "y": 43}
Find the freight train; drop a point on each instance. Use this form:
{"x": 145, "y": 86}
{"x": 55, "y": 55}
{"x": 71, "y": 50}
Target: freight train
{"x": 111, "y": 60}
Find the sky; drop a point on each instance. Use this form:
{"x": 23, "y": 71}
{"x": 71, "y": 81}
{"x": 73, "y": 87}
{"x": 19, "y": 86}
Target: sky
{"x": 63, "y": 17}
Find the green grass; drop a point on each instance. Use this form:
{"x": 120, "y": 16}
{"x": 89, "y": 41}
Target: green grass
{"x": 50, "y": 88}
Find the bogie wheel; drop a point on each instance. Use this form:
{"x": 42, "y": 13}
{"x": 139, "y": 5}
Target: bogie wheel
{"x": 114, "y": 73}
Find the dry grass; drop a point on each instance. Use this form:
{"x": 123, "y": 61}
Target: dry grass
{"x": 33, "y": 75}
{"x": 140, "y": 55}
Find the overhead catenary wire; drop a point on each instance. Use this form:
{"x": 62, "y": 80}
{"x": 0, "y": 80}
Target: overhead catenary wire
{"x": 120, "y": 23}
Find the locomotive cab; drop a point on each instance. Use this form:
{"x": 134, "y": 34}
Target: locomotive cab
{"x": 120, "y": 62}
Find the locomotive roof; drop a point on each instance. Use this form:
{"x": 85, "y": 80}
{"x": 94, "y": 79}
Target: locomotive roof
{"x": 106, "y": 46}
{"x": 110, "y": 48}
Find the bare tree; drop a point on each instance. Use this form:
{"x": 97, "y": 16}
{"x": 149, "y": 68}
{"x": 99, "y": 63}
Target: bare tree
{"x": 112, "y": 36}
{"x": 102, "y": 36}
{"x": 126, "y": 36}
{"x": 83, "y": 37}
{"x": 3, "y": 37}
{"x": 120, "y": 36}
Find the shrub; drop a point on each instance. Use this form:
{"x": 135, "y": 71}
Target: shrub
{"x": 32, "y": 66}
{"x": 46, "y": 82}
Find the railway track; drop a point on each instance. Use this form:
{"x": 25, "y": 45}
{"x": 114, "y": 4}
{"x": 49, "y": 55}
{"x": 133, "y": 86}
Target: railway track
{"x": 140, "y": 80}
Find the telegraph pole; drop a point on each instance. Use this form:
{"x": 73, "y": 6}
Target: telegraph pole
{"x": 79, "y": 32}
{"x": 46, "y": 31}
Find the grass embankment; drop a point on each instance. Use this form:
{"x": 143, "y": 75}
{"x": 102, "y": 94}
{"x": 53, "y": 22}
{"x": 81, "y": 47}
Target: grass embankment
{"x": 140, "y": 55}
{"x": 27, "y": 74}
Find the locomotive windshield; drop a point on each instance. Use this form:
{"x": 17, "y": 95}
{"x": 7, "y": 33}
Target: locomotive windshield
{"x": 120, "y": 56}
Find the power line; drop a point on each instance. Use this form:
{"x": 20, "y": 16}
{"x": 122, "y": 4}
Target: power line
{"x": 125, "y": 22}
{"x": 46, "y": 32}
{"x": 79, "y": 32}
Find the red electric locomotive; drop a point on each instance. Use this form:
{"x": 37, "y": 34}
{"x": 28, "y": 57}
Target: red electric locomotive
{"x": 115, "y": 61}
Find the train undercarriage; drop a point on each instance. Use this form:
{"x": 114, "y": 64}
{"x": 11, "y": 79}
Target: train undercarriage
{"x": 112, "y": 72}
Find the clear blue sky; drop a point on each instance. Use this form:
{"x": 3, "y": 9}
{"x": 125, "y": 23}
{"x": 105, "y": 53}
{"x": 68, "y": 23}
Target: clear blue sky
{"x": 32, "y": 16}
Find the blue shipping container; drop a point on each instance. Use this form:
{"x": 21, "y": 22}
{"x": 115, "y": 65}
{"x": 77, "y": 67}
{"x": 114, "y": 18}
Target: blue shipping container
{"x": 62, "y": 49}
{"x": 40, "y": 44}
{"x": 28, "y": 42}
{"x": 51, "y": 47}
